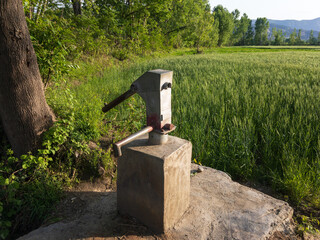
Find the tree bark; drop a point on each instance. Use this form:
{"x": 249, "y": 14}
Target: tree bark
{"x": 76, "y": 7}
{"x": 24, "y": 112}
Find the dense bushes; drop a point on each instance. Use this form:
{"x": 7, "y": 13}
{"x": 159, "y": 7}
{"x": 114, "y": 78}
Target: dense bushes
{"x": 33, "y": 183}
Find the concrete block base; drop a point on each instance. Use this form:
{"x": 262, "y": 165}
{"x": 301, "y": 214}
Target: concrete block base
{"x": 153, "y": 183}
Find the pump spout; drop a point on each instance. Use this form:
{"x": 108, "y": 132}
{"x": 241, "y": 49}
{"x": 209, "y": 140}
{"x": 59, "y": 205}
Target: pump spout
{"x": 117, "y": 146}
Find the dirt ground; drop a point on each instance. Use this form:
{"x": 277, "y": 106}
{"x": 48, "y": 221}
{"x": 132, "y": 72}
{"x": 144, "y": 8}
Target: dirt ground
{"x": 94, "y": 204}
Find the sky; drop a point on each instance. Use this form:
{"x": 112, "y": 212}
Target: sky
{"x": 273, "y": 9}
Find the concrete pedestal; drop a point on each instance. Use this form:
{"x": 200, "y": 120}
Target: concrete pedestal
{"x": 153, "y": 183}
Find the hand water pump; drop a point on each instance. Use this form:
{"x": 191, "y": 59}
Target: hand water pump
{"x": 155, "y": 89}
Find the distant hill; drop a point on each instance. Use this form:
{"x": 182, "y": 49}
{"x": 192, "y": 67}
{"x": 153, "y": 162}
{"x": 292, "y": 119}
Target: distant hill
{"x": 287, "y": 31}
{"x": 288, "y": 26}
{"x": 302, "y": 24}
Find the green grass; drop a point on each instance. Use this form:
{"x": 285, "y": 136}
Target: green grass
{"x": 252, "y": 112}
{"x": 247, "y": 49}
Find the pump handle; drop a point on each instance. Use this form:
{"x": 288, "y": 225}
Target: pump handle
{"x": 118, "y": 100}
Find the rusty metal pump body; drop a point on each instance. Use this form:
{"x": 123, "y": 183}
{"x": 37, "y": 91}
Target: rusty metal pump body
{"x": 155, "y": 89}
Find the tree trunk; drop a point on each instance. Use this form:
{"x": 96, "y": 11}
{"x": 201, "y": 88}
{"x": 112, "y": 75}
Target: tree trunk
{"x": 24, "y": 112}
{"x": 39, "y": 6}
{"x": 76, "y": 7}
{"x": 44, "y": 8}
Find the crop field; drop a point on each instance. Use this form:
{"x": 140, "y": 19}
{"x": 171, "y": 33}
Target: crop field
{"x": 253, "y": 113}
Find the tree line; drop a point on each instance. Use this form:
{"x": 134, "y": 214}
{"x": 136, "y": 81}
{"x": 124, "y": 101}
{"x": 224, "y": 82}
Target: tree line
{"x": 62, "y": 30}
{"x": 137, "y": 26}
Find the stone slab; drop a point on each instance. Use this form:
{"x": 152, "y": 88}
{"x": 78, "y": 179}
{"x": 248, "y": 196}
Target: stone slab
{"x": 219, "y": 209}
{"x": 153, "y": 181}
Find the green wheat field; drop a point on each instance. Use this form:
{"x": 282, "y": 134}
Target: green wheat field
{"x": 251, "y": 112}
